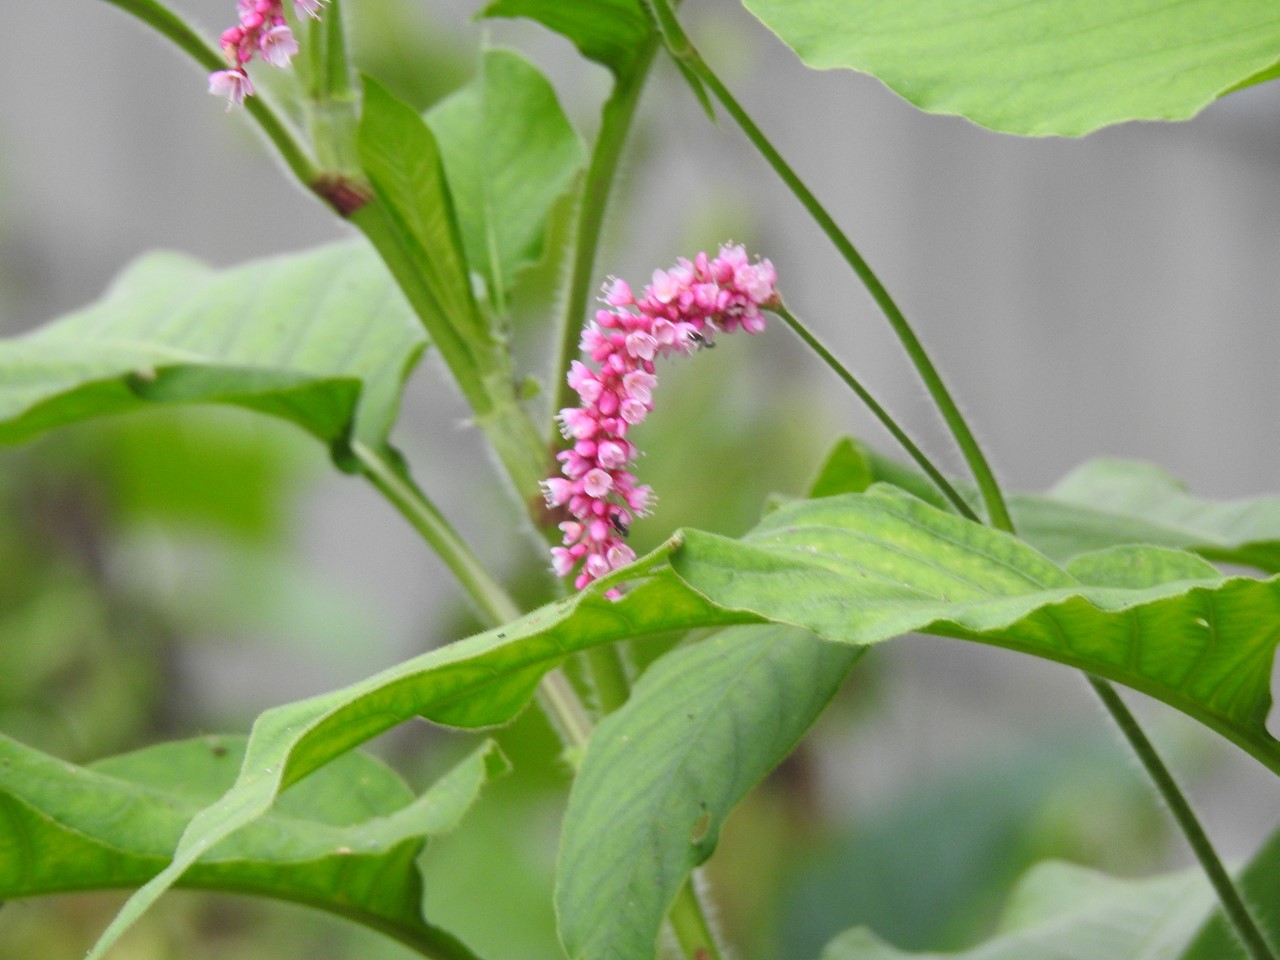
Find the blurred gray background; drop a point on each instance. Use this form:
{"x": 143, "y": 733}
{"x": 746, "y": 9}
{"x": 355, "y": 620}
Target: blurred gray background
{"x": 1112, "y": 296}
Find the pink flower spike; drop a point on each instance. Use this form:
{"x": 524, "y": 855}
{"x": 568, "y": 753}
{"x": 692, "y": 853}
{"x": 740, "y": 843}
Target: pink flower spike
{"x": 556, "y": 490}
{"x": 278, "y": 46}
{"x": 596, "y": 483}
{"x": 232, "y": 84}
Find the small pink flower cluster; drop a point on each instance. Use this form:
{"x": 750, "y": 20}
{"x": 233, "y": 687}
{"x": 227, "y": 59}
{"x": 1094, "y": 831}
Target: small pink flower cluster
{"x": 262, "y": 30}
{"x": 676, "y": 313}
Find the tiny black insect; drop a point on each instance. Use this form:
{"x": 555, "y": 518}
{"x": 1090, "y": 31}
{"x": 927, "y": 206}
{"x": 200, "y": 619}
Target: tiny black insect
{"x": 701, "y": 341}
{"x": 616, "y": 521}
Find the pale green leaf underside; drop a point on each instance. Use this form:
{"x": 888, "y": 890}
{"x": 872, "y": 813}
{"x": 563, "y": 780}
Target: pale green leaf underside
{"x": 610, "y": 32}
{"x": 1039, "y": 67}
{"x": 1102, "y": 503}
{"x": 703, "y": 726}
{"x": 864, "y": 568}
{"x": 321, "y": 338}
{"x": 1060, "y": 911}
{"x": 345, "y": 841}
{"x": 509, "y": 153}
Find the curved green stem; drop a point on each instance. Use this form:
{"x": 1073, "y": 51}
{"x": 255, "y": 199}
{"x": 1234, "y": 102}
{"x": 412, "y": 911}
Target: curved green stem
{"x": 1233, "y": 904}
{"x": 492, "y": 602}
{"x": 615, "y": 123}
{"x": 881, "y": 414}
{"x": 690, "y": 924}
{"x": 682, "y": 49}
{"x": 169, "y": 25}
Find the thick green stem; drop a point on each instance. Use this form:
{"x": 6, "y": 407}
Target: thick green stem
{"x": 168, "y": 24}
{"x": 1233, "y": 904}
{"x": 881, "y": 414}
{"x": 682, "y": 49}
{"x": 615, "y": 123}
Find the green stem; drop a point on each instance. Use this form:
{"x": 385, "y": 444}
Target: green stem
{"x": 918, "y": 455}
{"x": 1233, "y": 904}
{"x": 692, "y": 928}
{"x": 615, "y": 123}
{"x": 609, "y": 676}
{"x": 680, "y": 47}
{"x": 493, "y": 603}
{"x": 169, "y": 25}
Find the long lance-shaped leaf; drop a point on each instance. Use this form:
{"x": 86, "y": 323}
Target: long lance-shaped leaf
{"x": 482, "y": 681}
{"x": 1039, "y": 67}
{"x": 345, "y": 842}
{"x": 1103, "y": 503}
{"x": 864, "y": 568}
{"x": 321, "y": 338}
{"x": 702, "y": 727}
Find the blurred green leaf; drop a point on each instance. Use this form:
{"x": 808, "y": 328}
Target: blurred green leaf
{"x": 611, "y": 32}
{"x": 1068, "y": 912}
{"x": 1041, "y": 67}
{"x": 278, "y": 336}
{"x": 861, "y": 568}
{"x": 345, "y": 841}
{"x": 1103, "y": 503}
{"x": 702, "y": 727}
{"x": 509, "y": 153}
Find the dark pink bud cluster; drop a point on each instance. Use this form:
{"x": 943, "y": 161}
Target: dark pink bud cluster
{"x": 262, "y": 31}
{"x": 678, "y": 312}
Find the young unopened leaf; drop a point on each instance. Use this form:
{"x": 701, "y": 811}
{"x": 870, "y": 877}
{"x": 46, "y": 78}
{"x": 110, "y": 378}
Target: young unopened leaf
{"x": 322, "y": 338}
{"x": 1039, "y": 67}
{"x": 702, "y": 727}
{"x": 345, "y": 841}
{"x": 509, "y": 153}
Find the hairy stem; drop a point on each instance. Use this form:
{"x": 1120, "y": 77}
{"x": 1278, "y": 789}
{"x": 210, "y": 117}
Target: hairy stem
{"x": 881, "y": 414}
{"x": 1233, "y": 904}
{"x": 169, "y": 25}
{"x": 615, "y": 123}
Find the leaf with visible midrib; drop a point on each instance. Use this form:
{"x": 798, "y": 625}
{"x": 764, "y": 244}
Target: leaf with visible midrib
{"x": 861, "y": 568}
{"x": 345, "y": 841}
{"x": 702, "y": 727}
{"x": 322, "y": 338}
{"x": 1039, "y": 67}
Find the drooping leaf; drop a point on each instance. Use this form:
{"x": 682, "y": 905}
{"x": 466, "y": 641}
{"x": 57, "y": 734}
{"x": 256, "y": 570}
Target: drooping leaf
{"x": 482, "y": 681}
{"x": 1040, "y": 67}
{"x": 861, "y": 568}
{"x": 1067, "y": 912}
{"x": 322, "y": 338}
{"x": 345, "y": 841}
{"x": 611, "y": 32}
{"x": 702, "y": 727}
{"x": 509, "y": 153}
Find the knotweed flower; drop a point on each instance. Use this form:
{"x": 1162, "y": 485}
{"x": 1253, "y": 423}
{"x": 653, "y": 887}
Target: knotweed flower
{"x": 262, "y": 31}
{"x": 679, "y": 311}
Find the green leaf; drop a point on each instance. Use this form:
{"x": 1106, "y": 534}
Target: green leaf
{"x": 611, "y": 32}
{"x": 1153, "y": 507}
{"x": 321, "y": 338}
{"x": 1103, "y": 503}
{"x": 481, "y": 681}
{"x": 509, "y": 153}
{"x": 403, "y": 163}
{"x": 703, "y": 726}
{"x": 1067, "y": 912}
{"x": 345, "y": 841}
{"x": 1040, "y": 67}
{"x": 861, "y": 568}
